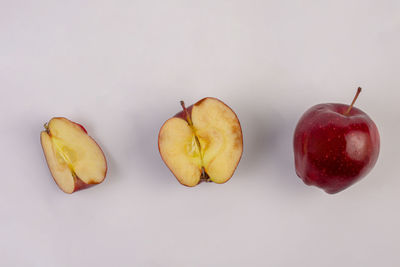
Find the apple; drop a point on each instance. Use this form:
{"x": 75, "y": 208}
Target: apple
{"x": 203, "y": 142}
{"x": 335, "y": 145}
{"x": 75, "y": 160}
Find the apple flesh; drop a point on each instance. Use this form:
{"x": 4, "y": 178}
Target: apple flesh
{"x": 202, "y": 143}
{"x": 75, "y": 160}
{"x": 335, "y": 145}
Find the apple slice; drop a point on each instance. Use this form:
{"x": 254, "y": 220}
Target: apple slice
{"x": 74, "y": 158}
{"x": 202, "y": 143}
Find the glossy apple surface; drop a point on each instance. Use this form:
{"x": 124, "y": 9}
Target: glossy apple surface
{"x": 334, "y": 149}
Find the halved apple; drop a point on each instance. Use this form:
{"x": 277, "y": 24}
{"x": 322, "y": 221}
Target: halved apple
{"x": 202, "y": 143}
{"x": 74, "y": 158}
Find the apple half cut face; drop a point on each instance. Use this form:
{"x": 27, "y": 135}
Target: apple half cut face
{"x": 75, "y": 160}
{"x": 202, "y": 143}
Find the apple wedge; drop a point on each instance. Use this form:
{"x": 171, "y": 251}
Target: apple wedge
{"x": 75, "y": 160}
{"x": 203, "y": 142}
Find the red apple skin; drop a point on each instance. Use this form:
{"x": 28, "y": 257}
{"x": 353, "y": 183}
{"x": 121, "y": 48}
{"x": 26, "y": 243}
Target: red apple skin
{"x": 333, "y": 150}
{"x": 80, "y": 185}
{"x": 83, "y": 128}
{"x": 182, "y": 114}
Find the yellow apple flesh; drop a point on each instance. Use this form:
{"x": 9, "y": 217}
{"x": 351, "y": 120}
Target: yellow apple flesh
{"x": 75, "y": 160}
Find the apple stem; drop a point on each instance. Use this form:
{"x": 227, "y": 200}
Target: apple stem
{"x": 187, "y": 113}
{"x": 46, "y": 126}
{"x": 204, "y": 176}
{"x": 354, "y": 100}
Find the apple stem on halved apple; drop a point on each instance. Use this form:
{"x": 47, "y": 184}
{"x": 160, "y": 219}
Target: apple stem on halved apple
{"x": 204, "y": 176}
{"x": 188, "y": 119}
{"x": 354, "y": 100}
{"x": 46, "y": 127}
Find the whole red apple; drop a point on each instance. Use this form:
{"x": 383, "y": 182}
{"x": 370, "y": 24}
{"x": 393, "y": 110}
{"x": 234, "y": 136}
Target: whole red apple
{"x": 335, "y": 145}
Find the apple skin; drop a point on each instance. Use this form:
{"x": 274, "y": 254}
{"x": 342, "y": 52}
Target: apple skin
{"x": 83, "y": 128}
{"x": 182, "y": 114}
{"x": 80, "y": 185}
{"x": 333, "y": 150}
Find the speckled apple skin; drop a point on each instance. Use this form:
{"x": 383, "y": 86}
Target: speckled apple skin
{"x": 332, "y": 150}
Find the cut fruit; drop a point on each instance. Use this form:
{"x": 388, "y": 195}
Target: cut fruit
{"x": 75, "y": 160}
{"x": 202, "y": 143}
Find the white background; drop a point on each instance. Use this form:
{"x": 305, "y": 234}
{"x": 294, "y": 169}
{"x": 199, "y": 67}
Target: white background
{"x": 121, "y": 67}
